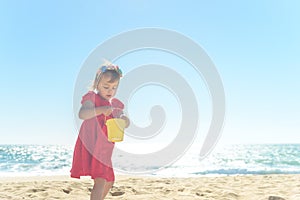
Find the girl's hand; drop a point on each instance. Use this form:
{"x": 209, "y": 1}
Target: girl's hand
{"x": 127, "y": 121}
{"x": 106, "y": 110}
{"x": 116, "y": 113}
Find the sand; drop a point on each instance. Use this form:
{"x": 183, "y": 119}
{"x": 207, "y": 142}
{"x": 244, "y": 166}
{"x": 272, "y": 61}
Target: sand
{"x": 253, "y": 187}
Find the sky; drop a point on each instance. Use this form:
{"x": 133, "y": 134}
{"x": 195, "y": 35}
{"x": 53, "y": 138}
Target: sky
{"x": 254, "y": 46}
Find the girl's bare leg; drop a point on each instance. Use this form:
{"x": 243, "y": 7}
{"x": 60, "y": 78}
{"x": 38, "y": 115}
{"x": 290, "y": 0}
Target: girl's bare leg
{"x": 98, "y": 189}
{"x": 107, "y": 187}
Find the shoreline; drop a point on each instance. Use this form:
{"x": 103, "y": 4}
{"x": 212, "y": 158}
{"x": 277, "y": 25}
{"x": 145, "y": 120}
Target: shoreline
{"x": 242, "y": 187}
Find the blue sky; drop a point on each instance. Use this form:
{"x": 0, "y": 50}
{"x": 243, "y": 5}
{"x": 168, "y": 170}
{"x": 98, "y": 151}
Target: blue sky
{"x": 254, "y": 45}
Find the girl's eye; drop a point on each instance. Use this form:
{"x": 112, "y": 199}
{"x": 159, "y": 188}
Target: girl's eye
{"x": 106, "y": 88}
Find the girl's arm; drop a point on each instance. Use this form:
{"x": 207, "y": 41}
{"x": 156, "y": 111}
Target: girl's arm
{"x": 88, "y": 110}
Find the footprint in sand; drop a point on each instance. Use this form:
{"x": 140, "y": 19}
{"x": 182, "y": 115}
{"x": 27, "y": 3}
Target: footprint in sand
{"x": 200, "y": 194}
{"x": 67, "y": 191}
{"x": 36, "y": 190}
{"x": 275, "y": 198}
{"x": 117, "y": 193}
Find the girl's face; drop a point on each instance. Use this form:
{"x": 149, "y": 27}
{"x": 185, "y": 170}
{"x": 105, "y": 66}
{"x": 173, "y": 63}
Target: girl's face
{"x": 107, "y": 89}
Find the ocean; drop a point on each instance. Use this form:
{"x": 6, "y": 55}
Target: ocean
{"x": 39, "y": 160}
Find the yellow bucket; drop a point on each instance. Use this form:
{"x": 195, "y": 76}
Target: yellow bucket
{"x": 115, "y": 129}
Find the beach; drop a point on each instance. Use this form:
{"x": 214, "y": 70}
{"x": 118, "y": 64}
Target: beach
{"x": 243, "y": 172}
{"x": 126, "y": 187}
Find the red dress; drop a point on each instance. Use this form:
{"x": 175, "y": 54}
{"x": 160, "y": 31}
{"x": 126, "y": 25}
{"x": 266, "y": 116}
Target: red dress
{"x": 93, "y": 151}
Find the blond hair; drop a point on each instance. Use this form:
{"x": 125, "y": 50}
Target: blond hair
{"x": 114, "y": 74}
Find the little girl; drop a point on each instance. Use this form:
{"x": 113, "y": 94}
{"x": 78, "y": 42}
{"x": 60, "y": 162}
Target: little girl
{"x": 93, "y": 151}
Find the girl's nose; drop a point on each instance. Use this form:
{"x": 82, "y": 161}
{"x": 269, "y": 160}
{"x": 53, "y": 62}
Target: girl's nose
{"x": 110, "y": 91}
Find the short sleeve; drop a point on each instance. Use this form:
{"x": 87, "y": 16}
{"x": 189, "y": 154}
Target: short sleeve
{"x": 116, "y": 103}
{"x": 90, "y": 96}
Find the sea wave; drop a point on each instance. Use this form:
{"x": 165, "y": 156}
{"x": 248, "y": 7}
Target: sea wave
{"x": 27, "y": 160}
